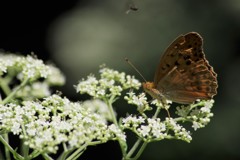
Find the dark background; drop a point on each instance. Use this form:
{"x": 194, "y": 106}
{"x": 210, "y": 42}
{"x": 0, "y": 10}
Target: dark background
{"x": 78, "y": 36}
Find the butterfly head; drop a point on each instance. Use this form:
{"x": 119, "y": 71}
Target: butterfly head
{"x": 151, "y": 89}
{"x": 148, "y": 85}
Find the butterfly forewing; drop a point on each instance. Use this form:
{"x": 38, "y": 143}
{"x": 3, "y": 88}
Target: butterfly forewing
{"x": 183, "y": 74}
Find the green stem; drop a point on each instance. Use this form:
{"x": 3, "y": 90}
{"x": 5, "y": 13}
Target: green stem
{"x": 78, "y": 155}
{"x": 6, "y": 145}
{"x": 133, "y": 149}
{"x": 196, "y": 105}
{"x": 4, "y": 87}
{"x": 12, "y": 94}
{"x": 65, "y": 148}
{"x": 77, "y": 152}
{"x": 46, "y": 156}
{"x": 110, "y": 107}
{"x": 34, "y": 154}
{"x": 122, "y": 144}
{"x": 66, "y": 153}
{"x": 7, "y": 153}
{"x": 186, "y": 119}
{"x": 140, "y": 151}
{"x": 138, "y": 142}
{"x": 24, "y": 149}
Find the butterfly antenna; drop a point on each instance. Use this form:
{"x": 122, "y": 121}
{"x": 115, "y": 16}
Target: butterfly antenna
{"x": 130, "y": 63}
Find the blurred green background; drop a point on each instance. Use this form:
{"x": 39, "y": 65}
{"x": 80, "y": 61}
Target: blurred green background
{"x": 78, "y": 36}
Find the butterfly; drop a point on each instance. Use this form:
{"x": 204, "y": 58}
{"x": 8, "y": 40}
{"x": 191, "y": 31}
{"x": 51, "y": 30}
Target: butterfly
{"x": 183, "y": 74}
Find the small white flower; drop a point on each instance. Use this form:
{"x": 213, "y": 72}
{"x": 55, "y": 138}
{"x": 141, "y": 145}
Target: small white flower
{"x": 117, "y": 132}
{"x": 30, "y": 129}
{"x": 88, "y": 86}
{"x": 207, "y": 107}
{"x": 116, "y": 90}
{"x": 144, "y": 130}
{"x": 132, "y": 121}
{"x": 157, "y": 128}
{"x": 73, "y": 141}
{"x": 106, "y": 82}
{"x": 158, "y": 131}
{"x": 140, "y": 101}
{"x": 16, "y": 127}
{"x": 195, "y": 125}
{"x": 131, "y": 82}
{"x": 101, "y": 92}
{"x": 33, "y": 68}
{"x": 6, "y": 61}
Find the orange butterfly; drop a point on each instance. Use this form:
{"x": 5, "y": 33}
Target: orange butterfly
{"x": 183, "y": 74}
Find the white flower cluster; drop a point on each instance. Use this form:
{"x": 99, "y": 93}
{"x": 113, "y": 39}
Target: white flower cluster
{"x": 6, "y": 62}
{"x": 44, "y": 125}
{"x": 110, "y": 84}
{"x": 29, "y": 68}
{"x": 201, "y": 117}
{"x": 139, "y": 100}
{"x": 152, "y": 129}
{"x": 199, "y": 114}
{"x": 147, "y": 128}
{"x": 32, "y": 68}
{"x": 179, "y": 131}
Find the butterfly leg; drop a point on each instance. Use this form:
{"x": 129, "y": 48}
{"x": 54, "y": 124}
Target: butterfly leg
{"x": 164, "y": 103}
{"x": 168, "y": 112}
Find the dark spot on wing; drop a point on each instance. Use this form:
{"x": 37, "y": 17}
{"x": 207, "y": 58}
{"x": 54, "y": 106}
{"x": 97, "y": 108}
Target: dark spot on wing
{"x": 199, "y": 88}
{"x": 176, "y": 63}
{"x": 188, "y": 62}
{"x": 185, "y": 57}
